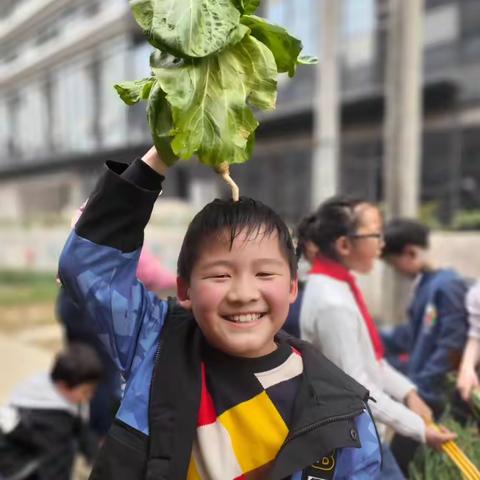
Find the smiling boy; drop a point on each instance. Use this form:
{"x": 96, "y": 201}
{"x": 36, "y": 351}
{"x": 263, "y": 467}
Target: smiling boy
{"x": 213, "y": 389}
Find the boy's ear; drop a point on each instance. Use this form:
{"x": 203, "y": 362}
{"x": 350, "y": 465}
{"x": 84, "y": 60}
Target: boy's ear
{"x": 292, "y": 296}
{"x": 183, "y": 293}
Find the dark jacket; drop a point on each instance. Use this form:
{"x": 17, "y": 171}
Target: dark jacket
{"x": 433, "y": 336}
{"x": 41, "y": 440}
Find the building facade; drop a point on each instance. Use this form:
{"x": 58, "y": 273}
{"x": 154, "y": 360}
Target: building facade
{"x": 60, "y": 117}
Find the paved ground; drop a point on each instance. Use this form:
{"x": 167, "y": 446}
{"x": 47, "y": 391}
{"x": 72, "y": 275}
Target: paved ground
{"x": 25, "y": 353}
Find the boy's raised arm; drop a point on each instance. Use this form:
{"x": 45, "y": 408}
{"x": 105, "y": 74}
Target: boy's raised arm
{"x": 153, "y": 160}
{"x": 99, "y": 261}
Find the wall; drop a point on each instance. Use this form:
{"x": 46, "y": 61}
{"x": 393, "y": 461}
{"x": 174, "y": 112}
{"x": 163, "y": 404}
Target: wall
{"x": 38, "y": 248}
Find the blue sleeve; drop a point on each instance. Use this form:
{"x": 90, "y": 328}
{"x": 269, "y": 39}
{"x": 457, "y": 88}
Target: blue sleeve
{"x": 362, "y": 463}
{"x": 444, "y": 340}
{"x": 397, "y": 340}
{"x": 126, "y": 316}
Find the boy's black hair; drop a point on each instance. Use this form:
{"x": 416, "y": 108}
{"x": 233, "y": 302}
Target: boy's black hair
{"x": 234, "y": 217}
{"x": 334, "y": 218}
{"x": 401, "y": 232}
{"x": 76, "y": 365}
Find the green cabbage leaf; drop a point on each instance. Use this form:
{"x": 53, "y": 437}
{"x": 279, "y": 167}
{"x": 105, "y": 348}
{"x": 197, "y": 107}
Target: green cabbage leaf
{"x": 247, "y": 7}
{"x": 211, "y": 100}
{"x": 132, "y": 92}
{"x": 285, "y": 48}
{"x": 159, "y": 119}
{"x": 189, "y": 28}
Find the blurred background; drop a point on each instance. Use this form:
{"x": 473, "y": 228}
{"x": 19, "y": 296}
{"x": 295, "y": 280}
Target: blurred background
{"x": 391, "y": 113}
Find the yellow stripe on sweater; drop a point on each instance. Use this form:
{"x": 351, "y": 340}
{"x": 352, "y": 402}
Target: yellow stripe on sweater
{"x": 257, "y": 431}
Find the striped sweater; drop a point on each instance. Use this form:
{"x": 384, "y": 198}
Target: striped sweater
{"x": 244, "y": 418}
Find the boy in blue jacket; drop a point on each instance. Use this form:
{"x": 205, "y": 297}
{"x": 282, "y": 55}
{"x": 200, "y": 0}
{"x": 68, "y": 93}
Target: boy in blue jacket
{"x": 430, "y": 343}
{"x": 213, "y": 389}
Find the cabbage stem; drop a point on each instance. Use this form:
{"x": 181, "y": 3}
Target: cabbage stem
{"x": 224, "y": 171}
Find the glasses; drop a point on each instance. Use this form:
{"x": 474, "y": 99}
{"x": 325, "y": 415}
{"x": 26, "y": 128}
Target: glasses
{"x": 379, "y": 236}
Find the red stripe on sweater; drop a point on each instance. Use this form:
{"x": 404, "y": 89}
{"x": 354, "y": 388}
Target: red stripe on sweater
{"x": 206, "y": 412}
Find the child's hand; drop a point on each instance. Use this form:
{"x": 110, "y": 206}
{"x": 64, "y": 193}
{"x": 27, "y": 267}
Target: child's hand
{"x": 417, "y": 405}
{"x": 467, "y": 382}
{"x": 437, "y": 436}
{"x": 153, "y": 160}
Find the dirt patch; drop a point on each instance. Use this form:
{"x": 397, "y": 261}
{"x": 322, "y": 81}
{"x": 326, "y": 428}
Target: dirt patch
{"x": 14, "y": 319}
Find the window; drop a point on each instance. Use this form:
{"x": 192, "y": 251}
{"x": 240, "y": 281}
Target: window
{"x": 113, "y": 116}
{"x": 13, "y": 106}
{"x": 73, "y": 108}
{"x": 32, "y": 133}
{"x": 441, "y": 25}
{"x": 46, "y": 34}
{"x": 92, "y": 8}
{"x": 4, "y": 130}
{"x": 358, "y": 32}
{"x": 300, "y": 17}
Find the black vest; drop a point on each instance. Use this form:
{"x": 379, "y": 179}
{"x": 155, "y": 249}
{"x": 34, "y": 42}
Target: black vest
{"x": 323, "y": 420}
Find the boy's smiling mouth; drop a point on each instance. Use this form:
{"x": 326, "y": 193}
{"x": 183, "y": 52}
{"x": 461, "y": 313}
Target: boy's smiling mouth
{"x": 244, "y": 317}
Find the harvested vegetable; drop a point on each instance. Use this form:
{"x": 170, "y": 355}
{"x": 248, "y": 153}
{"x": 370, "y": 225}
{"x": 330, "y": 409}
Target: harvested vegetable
{"x": 463, "y": 463}
{"x": 214, "y": 61}
{"x": 430, "y": 464}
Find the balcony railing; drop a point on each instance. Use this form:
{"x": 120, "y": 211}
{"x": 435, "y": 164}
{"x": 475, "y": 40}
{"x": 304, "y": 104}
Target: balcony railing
{"x": 111, "y": 21}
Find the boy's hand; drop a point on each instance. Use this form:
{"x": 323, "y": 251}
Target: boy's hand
{"x": 153, "y": 160}
{"x": 467, "y": 382}
{"x": 437, "y": 436}
{"x": 417, "y": 405}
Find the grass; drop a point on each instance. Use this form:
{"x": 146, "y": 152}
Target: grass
{"x": 27, "y": 299}
{"x": 21, "y": 288}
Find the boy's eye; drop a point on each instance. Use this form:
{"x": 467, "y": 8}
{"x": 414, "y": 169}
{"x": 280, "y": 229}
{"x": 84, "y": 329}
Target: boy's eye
{"x": 265, "y": 274}
{"x": 218, "y": 275}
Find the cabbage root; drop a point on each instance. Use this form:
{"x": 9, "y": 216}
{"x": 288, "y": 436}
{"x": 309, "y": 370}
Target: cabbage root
{"x": 224, "y": 171}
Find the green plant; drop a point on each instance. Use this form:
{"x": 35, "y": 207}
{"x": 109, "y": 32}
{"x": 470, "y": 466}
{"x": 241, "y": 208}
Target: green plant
{"x": 429, "y": 464}
{"x": 466, "y": 220}
{"x": 476, "y": 403}
{"x": 214, "y": 61}
{"x": 26, "y": 287}
{"x": 428, "y": 215}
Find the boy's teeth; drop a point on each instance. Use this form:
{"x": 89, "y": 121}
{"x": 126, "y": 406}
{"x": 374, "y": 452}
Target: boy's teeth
{"x": 250, "y": 317}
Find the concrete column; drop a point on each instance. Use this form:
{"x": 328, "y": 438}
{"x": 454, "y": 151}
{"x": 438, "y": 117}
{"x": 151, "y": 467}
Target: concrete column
{"x": 403, "y": 132}
{"x": 403, "y": 128}
{"x": 325, "y": 167}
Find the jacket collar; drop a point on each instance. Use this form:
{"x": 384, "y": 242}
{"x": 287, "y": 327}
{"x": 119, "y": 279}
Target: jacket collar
{"x": 327, "y": 402}
{"x": 327, "y": 390}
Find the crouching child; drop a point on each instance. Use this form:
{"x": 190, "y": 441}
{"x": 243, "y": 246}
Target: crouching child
{"x": 214, "y": 389}
{"x": 44, "y": 423}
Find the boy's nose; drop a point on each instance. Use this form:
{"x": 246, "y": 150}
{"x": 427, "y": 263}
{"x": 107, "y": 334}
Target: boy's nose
{"x": 243, "y": 291}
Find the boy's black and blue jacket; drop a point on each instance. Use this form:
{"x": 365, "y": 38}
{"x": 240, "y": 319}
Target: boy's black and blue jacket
{"x": 433, "y": 336}
{"x": 157, "y": 346}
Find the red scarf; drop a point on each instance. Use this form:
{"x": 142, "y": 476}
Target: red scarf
{"x": 336, "y": 270}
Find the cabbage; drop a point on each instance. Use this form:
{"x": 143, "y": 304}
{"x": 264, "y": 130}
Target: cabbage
{"x": 213, "y": 63}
